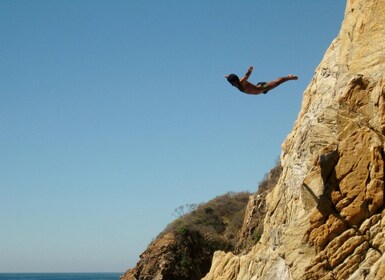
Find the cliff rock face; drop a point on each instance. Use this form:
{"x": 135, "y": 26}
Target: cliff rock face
{"x": 325, "y": 219}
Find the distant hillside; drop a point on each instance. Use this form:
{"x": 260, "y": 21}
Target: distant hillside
{"x": 184, "y": 250}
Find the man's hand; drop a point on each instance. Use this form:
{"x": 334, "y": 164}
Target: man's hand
{"x": 251, "y": 68}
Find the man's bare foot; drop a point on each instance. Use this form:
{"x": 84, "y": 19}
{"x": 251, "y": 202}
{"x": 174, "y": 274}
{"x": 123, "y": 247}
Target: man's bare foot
{"x": 292, "y": 77}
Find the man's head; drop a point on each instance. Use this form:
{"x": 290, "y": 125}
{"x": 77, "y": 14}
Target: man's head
{"x": 233, "y": 80}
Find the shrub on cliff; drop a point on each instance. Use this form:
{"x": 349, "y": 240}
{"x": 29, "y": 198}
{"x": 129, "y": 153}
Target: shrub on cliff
{"x": 218, "y": 220}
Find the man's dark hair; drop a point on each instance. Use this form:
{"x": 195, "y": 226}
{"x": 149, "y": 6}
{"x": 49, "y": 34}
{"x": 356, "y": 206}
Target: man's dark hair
{"x": 233, "y": 79}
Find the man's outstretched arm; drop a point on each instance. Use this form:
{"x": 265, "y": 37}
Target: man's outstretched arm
{"x": 248, "y": 73}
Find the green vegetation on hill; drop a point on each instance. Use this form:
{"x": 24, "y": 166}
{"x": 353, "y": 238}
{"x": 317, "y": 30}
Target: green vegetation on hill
{"x": 184, "y": 250}
{"x": 218, "y": 220}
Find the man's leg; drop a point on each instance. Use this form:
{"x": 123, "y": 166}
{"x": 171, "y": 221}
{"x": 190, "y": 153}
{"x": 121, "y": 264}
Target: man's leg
{"x": 278, "y": 81}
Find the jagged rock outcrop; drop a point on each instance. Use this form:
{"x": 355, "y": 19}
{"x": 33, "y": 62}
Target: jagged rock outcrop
{"x": 255, "y": 213}
{"x": 325, "y": 218}
{"x": 174, "y": 255}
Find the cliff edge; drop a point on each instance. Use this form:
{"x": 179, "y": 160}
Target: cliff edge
{"x": 325, "y": 218}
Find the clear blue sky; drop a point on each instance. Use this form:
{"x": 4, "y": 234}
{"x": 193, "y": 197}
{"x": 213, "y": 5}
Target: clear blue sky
{"x": 114, "y": 113}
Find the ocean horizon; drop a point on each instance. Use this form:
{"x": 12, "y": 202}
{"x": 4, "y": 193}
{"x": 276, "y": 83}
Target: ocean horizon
{"x": 62, "y": 276}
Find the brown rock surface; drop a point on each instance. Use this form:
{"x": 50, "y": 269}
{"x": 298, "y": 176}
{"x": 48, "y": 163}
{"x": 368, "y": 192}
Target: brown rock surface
{"x": 172, "y": 256}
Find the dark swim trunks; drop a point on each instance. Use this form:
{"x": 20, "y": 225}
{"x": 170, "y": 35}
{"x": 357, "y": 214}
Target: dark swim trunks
{"x": 264, "y": 86}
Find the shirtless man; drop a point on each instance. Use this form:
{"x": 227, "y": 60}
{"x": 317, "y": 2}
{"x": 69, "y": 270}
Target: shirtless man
{"x": 262, "y": 87}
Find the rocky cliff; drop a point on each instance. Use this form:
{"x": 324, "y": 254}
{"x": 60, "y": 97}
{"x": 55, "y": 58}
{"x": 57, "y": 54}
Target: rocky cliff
{"x": 325, "y": 218}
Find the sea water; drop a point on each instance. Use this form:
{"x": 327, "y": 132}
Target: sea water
{"x": 60, "y": 276}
